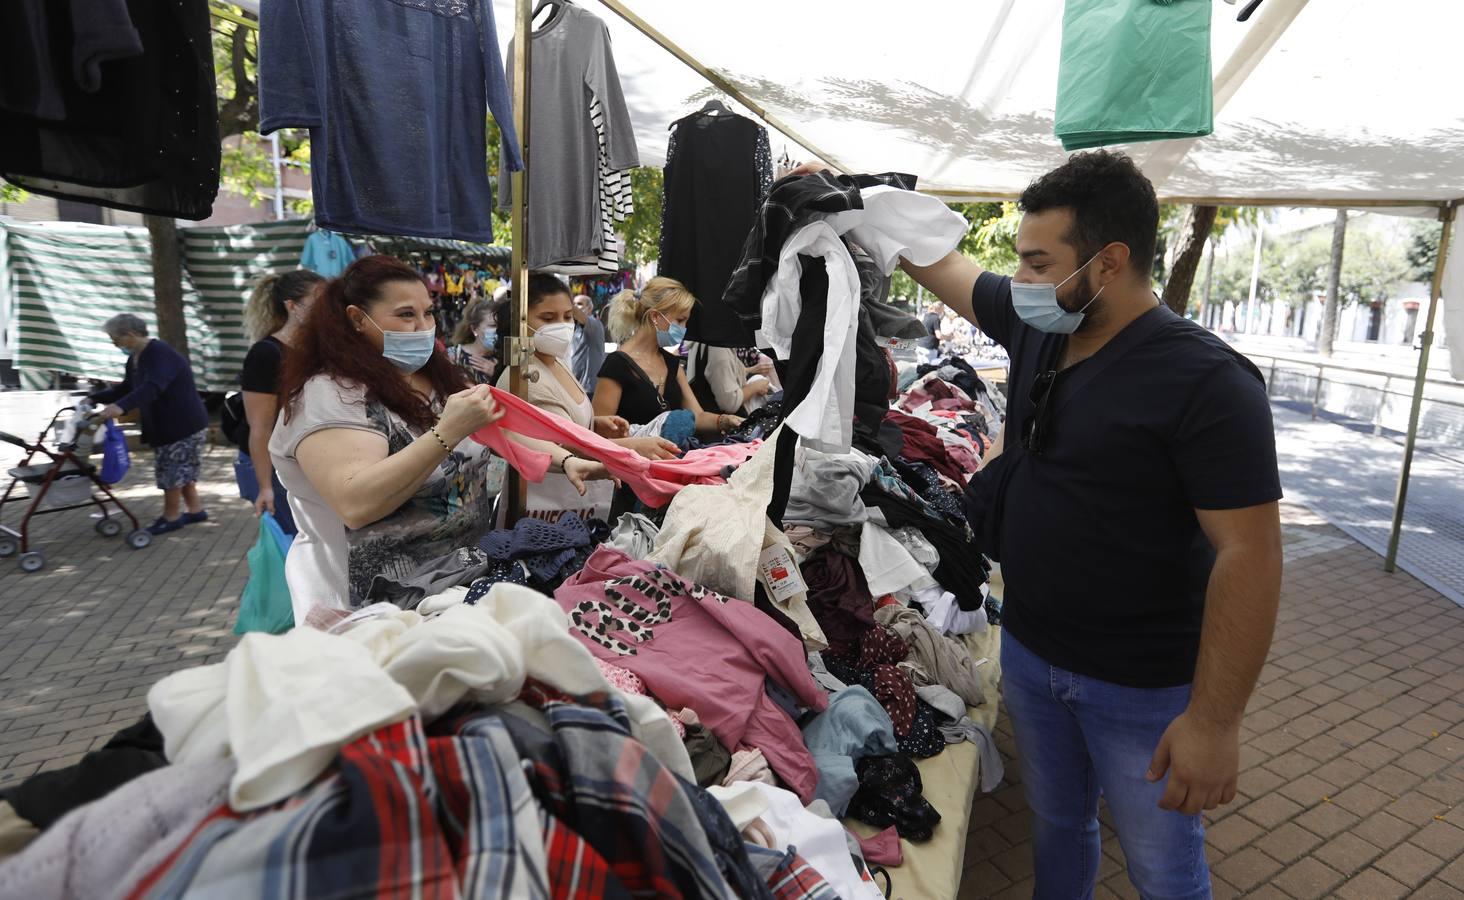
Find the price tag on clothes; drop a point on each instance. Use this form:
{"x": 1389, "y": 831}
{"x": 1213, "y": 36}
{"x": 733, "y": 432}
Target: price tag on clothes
{"x": 780, "y": 575}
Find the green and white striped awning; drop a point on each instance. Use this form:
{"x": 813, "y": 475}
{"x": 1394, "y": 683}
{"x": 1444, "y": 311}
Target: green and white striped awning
{"x": 223, "y": 262}
{"x": 69, "y": 278}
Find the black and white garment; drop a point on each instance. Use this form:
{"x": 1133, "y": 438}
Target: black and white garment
{"x": 787, "y": 206}
{"x": 177, "y": 464}
{"x": 617, "y": 201}
{"x": 451, "y": 509}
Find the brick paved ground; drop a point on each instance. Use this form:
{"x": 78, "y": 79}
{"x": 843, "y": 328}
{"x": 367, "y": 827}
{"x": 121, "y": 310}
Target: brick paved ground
{"x": 1353, "y": 748}
{"x": 82, "y": 640}
{"x": 1354, "y": 744}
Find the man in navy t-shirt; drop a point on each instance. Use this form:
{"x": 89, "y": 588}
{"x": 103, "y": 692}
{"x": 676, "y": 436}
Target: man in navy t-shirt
{"x": 1134, "y": 512}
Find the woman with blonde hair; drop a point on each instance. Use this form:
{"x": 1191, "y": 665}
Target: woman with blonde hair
{"x": 474, "y": 345}
{"x": 274, "y": 315}
{"x": 643, "y": 378}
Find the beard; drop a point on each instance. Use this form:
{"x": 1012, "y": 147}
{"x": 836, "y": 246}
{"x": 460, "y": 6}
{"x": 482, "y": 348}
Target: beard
{"x": 1082, "y": 295}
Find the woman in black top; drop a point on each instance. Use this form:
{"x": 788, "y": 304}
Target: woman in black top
{"x": 275, "y": 313}
{"x": 642, "y": 379}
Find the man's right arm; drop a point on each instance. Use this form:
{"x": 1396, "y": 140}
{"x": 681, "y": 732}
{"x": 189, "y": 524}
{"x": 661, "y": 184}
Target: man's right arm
{"x": 951, "y": 280}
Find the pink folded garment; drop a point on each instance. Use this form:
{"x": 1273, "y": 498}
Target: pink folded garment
{"x": 883, "y": 849}
{"x": 749, "y": 765}
{"x": 693, "y": 647}
{"x": 655, "y": 483}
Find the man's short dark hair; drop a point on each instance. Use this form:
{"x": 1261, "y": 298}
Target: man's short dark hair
{"x": 1111, "y": 201}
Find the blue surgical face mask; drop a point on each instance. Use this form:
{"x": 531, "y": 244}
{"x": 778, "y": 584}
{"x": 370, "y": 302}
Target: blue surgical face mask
{"x": 489, "y": 337}
{"x": 407, "y": 350}
{"x": 1036, "y": 304}
{"x": 672, "y": 336}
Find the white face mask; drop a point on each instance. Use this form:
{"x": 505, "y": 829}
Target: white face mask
{"x": 555, "y": 340}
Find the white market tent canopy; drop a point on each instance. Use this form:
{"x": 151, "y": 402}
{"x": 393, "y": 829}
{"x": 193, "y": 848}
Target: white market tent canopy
{"x": 1348, "y": 102}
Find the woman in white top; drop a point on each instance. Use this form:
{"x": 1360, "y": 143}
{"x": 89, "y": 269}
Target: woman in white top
{"x": 373, "y": 440}
{"x": 552, "y": 386}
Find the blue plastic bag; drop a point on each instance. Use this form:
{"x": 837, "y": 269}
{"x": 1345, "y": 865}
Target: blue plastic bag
{"x": 115, "y": 458}
{"x": 265, "y": 605}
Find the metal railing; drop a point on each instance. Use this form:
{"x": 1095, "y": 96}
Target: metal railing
{"x": 1369, "y": 396}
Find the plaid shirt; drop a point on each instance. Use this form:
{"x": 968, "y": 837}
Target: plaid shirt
{"x": 401, "y": 814}
{"x": 626, "y": 805}
{"x": 482, "y": 805}
{"x": 790, "y": 203}
{"x": 789, "y": 876}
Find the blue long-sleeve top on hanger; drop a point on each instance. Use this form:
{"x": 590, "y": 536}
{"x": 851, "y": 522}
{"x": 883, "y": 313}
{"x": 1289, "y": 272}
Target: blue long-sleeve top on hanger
{"x": 393, "y": 94}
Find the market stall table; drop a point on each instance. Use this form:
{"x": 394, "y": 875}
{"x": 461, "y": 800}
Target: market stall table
{"x": 932, "y": 869}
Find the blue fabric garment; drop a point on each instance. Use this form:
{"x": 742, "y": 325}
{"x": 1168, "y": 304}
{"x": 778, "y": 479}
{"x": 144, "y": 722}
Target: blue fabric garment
{"x": 853, "y": 727}
{"x": 545, "y": 548}
{"x": 159, "y": 383}
{"x": 327, "y": 253}
{"x": 501, "y": 572}
{"x": 680, "y": 428}
{"x": 1076, "y": 736}
{"x": 393, "y": 92}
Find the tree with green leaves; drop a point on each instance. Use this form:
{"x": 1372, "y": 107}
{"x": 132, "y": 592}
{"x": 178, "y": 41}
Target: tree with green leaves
{"x": 1194, "y": 237}
{"x": 1423, "y": 248}
{"x": 1193, "y": 230}
{"x": 642, "y": 231}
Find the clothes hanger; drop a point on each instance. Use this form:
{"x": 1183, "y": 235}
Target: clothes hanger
{"x": 553, "y": 5}
{"x": 712, "y": 107}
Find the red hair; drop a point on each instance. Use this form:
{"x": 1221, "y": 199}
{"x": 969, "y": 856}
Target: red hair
{"x": 329, "y": 344}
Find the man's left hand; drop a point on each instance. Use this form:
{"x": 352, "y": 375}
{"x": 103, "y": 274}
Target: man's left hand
{"x": 110, "y": 411}
{"x": 1203, "y": 762}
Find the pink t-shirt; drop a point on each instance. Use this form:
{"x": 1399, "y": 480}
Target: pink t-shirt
{"x": 696, "y": 648}
{"x": 655, "y": 483}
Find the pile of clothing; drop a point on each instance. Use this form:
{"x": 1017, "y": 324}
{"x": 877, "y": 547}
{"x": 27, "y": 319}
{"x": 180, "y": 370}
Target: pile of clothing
{"x": 635, "y": 701}
{"x": 686, "y": 701}
{"x": 480, "y": 751}
{"x": 953, "y": 398}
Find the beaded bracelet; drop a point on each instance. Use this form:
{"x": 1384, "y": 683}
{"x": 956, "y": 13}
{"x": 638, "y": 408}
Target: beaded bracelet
{"x": 445, "y": 447}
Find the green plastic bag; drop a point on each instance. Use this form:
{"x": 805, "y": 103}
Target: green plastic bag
{"x": 265, "y": 605}
{"x": 1134, "y": 70}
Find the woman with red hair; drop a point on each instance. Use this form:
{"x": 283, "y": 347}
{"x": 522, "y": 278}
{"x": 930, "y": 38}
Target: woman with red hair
{"x": 373, "y": 440}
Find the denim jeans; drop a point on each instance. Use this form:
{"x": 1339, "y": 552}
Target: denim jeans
{"x": 248, "y": 483}
{"x": 1078, "y": 736}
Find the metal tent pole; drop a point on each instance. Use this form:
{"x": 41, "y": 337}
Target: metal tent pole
{"x": 1390, "y": 563}
{"x": 515, "y": 489}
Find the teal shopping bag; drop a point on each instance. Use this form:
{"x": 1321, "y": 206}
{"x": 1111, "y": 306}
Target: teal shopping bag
{"x": 265, "y": 605}
{"x": 1134, "y": 70}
